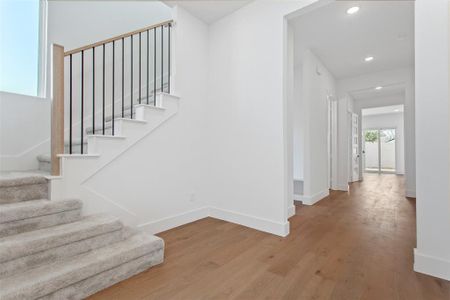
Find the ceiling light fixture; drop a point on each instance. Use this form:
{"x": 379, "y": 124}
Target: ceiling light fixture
{"x": 378, "y": 88}
{"x": 352, "y": 10}
{"x": 368, "y": 58}
{"x": 396, "y": 110}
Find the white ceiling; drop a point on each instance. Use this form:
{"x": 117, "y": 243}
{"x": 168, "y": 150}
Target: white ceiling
{"x": 387, "y": 90}
{"x": 210, "y": 11}
{"x": 382, "y": 110}
{"x": 383, "y": 29}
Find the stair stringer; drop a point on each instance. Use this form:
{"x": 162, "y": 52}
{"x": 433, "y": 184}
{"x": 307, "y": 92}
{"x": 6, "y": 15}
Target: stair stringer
{"x": 78, "y": 169}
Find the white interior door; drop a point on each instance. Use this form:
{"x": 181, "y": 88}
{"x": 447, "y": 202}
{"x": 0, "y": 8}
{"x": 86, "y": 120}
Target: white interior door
{"x": 355, "y": 148}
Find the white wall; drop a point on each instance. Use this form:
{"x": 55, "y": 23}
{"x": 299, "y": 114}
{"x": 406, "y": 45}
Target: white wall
{"x": 24, "y": 130}
{"x": 156, "y": 182}
{"x": 299, "y": 126}
{"x": 432, "y": 255}
{"x": 249, "y": 165}
{"x": 384, "y": 121}
{"x": 398, "y": 76}
{"x": 313, "y": 87}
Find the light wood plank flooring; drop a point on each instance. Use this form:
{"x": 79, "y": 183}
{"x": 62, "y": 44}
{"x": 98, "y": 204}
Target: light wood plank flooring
{"x": 356, "y": 245}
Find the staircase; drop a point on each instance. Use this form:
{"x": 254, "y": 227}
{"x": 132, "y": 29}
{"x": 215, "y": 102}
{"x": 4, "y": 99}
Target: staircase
{"x": 52, "y": 245}
{"x": 48, "y": 250}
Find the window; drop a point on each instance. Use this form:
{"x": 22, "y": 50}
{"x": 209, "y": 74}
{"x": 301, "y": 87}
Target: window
{"x": 20, "y": 55}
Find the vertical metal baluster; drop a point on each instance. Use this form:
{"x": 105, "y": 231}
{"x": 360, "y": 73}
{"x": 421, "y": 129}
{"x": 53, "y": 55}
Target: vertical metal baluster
{"x": 70, "y": 104}
{"x": 93, "y": 90}
{"x": 168, "y": 56}
{"x": 103, "y": 108}
{"x": 113, "y": 79}
{"x": 139, "y": 68}
{"x": 123, "y": 77}
{"x": 148, "y": 57}
{"x": 82, "y": 100}
{"x": 154, "y": 66}
{"x": 162, "y": 58}
{"x": 131, "y": 92}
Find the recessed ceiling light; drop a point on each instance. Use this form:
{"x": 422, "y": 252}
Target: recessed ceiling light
{"x": 378, "y": 88}
{"x": 368, "y": 58}
{"x": 396, "y": 110}
{"x": 352, "y": 10}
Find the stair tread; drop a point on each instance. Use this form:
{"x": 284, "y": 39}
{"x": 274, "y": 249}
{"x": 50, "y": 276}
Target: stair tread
{"x": 44, "y": 280}
{"x": 27, "y": 243}
{"x": 34, "y": 208}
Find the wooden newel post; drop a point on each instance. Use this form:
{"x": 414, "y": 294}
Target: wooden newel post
{"x": 57, "y": 136}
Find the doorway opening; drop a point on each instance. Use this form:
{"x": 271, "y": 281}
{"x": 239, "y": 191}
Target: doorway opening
{"x": 383, "y": 140}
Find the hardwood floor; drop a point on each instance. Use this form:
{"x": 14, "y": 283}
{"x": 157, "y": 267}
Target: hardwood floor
{"x": 356, "y": 245}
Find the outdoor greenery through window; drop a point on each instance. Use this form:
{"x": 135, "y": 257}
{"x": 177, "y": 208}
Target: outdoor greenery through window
{"x": 19, "y": 51}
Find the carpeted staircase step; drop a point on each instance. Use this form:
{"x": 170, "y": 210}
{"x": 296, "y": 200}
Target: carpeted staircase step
{"x": 85, "y": 274}
{"x": 31, "y": 215}
{"x": 22, "y": 189}
{"x": 32, "y": 242}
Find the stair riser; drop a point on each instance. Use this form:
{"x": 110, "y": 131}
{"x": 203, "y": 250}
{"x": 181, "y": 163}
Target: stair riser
{"x": 56, "y": 254}
{"x": 96, "y": 283}
{"x": 29, "y": 224}
{"x": 12, "y": 194}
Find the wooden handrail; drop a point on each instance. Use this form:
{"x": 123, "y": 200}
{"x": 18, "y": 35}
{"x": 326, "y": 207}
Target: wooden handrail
{"x": 57, "y": 130}
{"x": 119, "y": 37}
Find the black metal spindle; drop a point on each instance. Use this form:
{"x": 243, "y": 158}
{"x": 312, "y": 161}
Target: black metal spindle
{"x": 123, "y": 77}
{"x": 104, "y": 94}
{"x": 148, "y": 57}
{"x": 162, "y": 58}
{"x": 131, "y": 91}
{"x": 82, "y": 101}
{"x": 168, "y": 57}
{"x": 93, "y": 90}
{"x": 154, "y": 66}
{"x": 139, "y": 68}
{"x": 113, "y": 79}
{"x": 70, "y": 104}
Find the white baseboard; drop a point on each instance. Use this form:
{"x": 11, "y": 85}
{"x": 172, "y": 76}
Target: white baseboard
{"x": 174, "y": 221}
{"x": 340, "y": 187}
{"x": 291, "y": 211}
{"x": 410, "y": 193}
{"x": 431, "y": 265}
{"x": 311, "y": 200}
{"x": 298, "y": 197}
{"x": 281, "y": 229}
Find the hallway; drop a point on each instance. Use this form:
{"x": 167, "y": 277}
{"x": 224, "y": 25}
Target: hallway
{"x": 356, "y": 245}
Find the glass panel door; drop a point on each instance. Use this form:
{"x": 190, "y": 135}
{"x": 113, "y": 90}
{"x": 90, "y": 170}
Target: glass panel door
{"x": 387, "y": 147}
{"x": 379, "y": 150}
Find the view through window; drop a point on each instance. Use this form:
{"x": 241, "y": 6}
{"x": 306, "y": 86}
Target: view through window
{"x": 19, "y": 51}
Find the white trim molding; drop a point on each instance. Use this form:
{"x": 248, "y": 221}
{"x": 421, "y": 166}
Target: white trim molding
{"x": 431, "y": 265}
{"x": 341, "y": 187}
{"x": 281, "y": 229}
{"x": 311, "y": 200}
{"x": 410, "y": 193}
{"x": 291, "y": 211}
{"x": 174, "y": 221}
{"x": 298, "y": 197}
